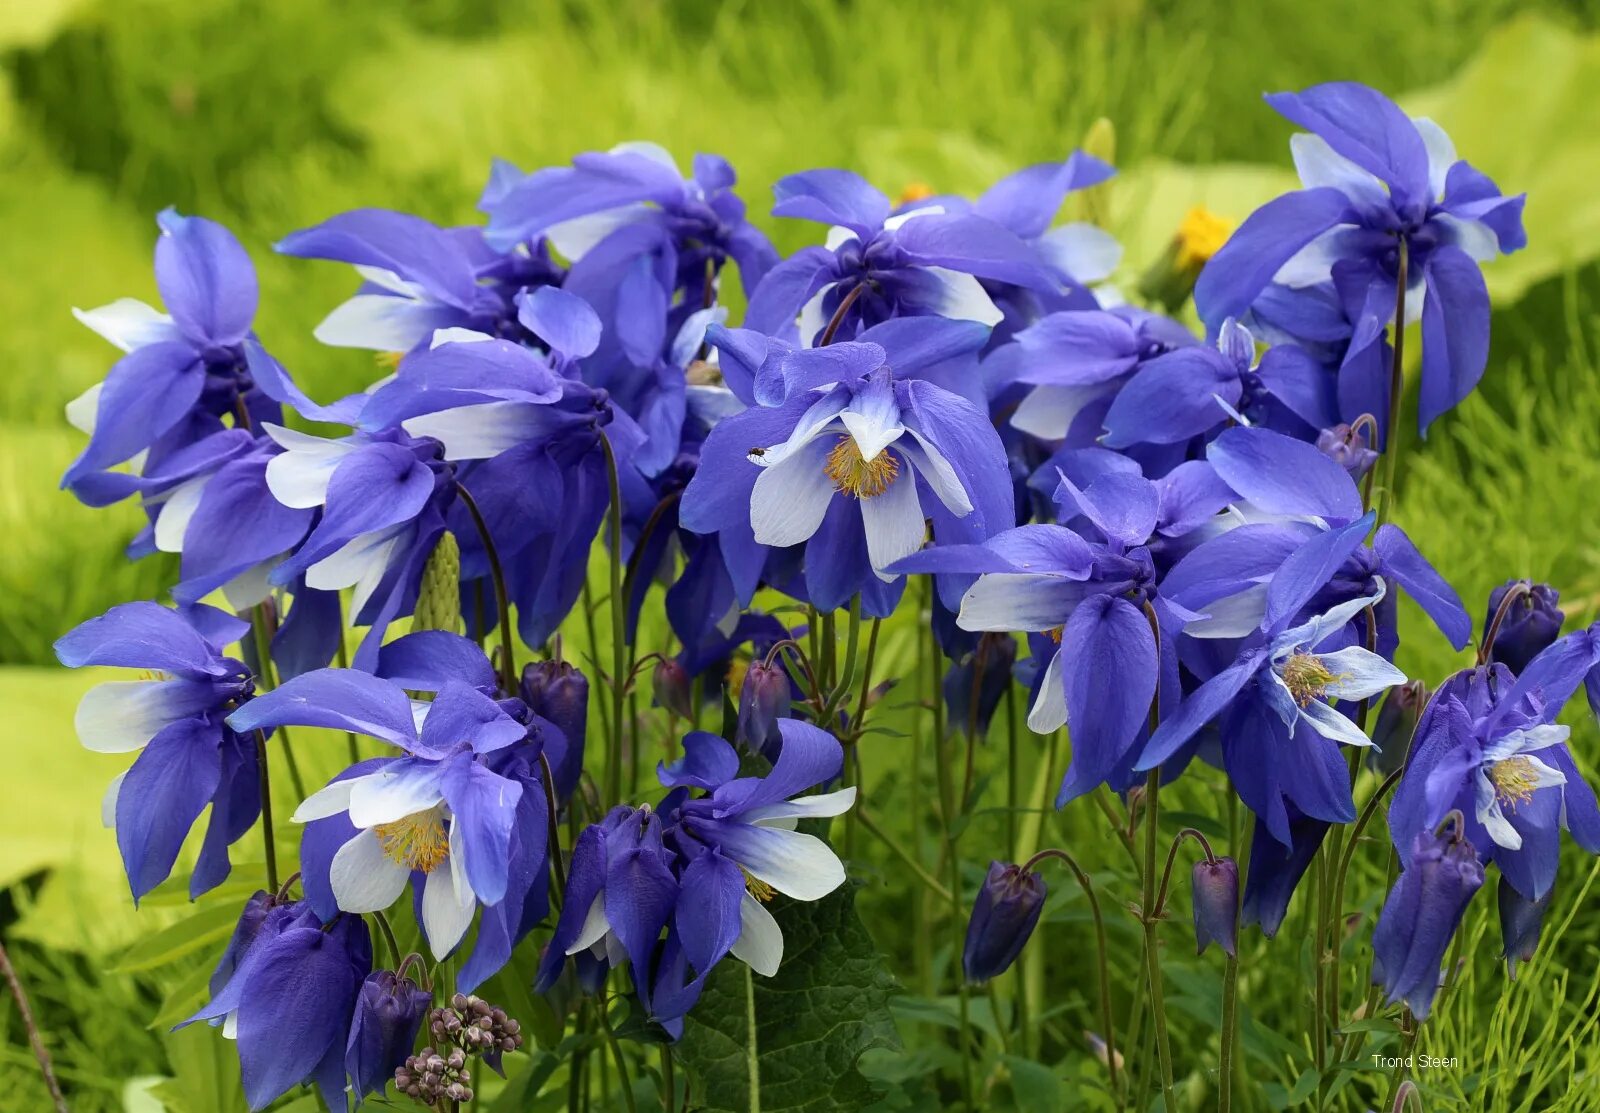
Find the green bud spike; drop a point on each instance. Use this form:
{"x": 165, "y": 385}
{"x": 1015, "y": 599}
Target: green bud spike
{"x": 1094, "y": 204}
{"x": 439, "y": 600}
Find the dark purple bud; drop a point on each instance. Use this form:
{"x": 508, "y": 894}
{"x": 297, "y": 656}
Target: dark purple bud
{"x": 388, "y": 1014}
{"x": 1216, "y": 904}
{"x": 1349, "y": 448}
{"x": 1275, "y": 870}
{"x": 556, "y": 691}
{"x": 763, "y": 700}
{"x": 974, "y": 684}
{"x": 1531, "y": 622}
{"x": 1521, "y": 920}
{"x": 244, "y": 934}
{"x": 1396, "y": 722}
{"x": 671, "y": 684}
{"x": 1421, "y": 915}
{"x": 1003, "y": 917}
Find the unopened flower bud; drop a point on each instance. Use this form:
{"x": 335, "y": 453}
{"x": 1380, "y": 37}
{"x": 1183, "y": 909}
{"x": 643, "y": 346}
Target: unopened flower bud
{"x": 1216, "y": 904}
{"x": 1396, "y": 721}
{"x": 671, "y": 684}
{"x": 763, "y": 700}
{"x": 1421, "y": 915}
{"x": 1521, "y": 921}
{"x": 1532, "y": 621}
{"x": 1003, "y": 917}
{"x": 1349, "y": 448}
{"x": 973, "y": 685}
{"x": 389, "y": 1011}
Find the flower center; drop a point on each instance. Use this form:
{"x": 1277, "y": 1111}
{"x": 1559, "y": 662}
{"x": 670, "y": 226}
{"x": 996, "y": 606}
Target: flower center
{"x": 1306, "y": 677}
{"x": 419, "y": 841}
{"x": 756, "y": 887}
{"x": 1514, "y": 780}
{"x": 857, "y": 477}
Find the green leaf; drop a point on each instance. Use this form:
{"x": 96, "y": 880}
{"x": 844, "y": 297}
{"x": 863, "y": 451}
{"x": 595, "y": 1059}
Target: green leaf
{"x": 208, "y": 927}
{"x": 1034, "y": 1086}
{"x": 205, "y": 1070}
{"x": 790, "y": 1042}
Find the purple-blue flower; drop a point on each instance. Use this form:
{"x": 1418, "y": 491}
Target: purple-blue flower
{"x": 388, "y": 1014}
{"x": 1377, "y": 183}
{"x": 174, "y": 718}
{"x": 1438, "y": 877}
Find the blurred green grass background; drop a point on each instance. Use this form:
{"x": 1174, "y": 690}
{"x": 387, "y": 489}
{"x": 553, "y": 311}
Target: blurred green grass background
{"x": 270, "y": 116}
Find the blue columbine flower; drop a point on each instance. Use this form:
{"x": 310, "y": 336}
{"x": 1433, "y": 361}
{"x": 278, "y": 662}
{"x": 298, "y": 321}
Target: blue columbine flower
{"x": 875, "y": 266}
{"x": 1375, "y": 179}
{"x": 455, "y": 816}
{"x": 1485, "y": 747}
{"x": 850, "y": 464}
{"x": 186, "y": 369}
{"x": 1280, "y": 738}
{"x": 1440, "y": 874}
{"x": 1276, "y": 867}
{"x": 418, "y": 278}
{"x": 1004, "y": 914}
{"x": 628, "y": 203}
{"x": 290, "y": 999}
{"x": 175, "y": 718}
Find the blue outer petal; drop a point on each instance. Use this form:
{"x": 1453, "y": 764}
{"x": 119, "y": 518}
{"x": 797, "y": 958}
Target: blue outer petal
{"x": 1204, "y": 704}
{"x": 1365, "y": 127}
{"x": 786, "y": 288}
{"x": 1109, "y": 652}
{"x": 1269, "y": 238}
{"x": 460, "y": 714}
{"x": 708, "y": 761}
{"x": 810, "y": 756}
{"x": 141, "y": 635}
{"x": 1284, "y": 476}
{"x": 1172, "y": 398}
{"x": 564, "y": 321}
{"x": 1027, "y": 201}
{"x": 483, "y": 805}
{"x": 146, "y": 393}
{"x": 1407, "y": 567}
{"x": 416, "y": 250}
{"x": 206, "y": 280}
{"x": 831, "y": 197}
{"x": 162, "y": 795}
{"x": 977, "y": 246}
{"x": 429, "y": 659}
{"x": 342, "y": 699}
{"x": 1455, "y": 332}
{"x": 1308, "y": 570}
{"x": 707, "y": 916}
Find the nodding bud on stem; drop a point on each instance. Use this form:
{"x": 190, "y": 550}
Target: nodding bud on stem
{"x": 1531, "y": 622}
{"x": 1216, "y": 904}
{"x": 1521, "y": 920}
{"x": 557, "y": 691}
{"x": 974, "y": 684}
{"x": 670, "y": 682}
{"x": 383, "y": 1029}
{"x": 1422, "y": 913}
{"x": 1396, "y": 722}
{"x": 763, "y": 700}
{"x": 1003, "y": 917}
{"x": 1349, "y": 447}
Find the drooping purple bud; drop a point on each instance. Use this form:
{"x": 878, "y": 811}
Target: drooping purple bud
{"x": 1521, "y": 921}
{"x": 1396, "y": 723}
{"x": 1003, "y": 917}
{"x": 1421, "y": 915}
{"x": 974, "y": 683}
{"x": 670, "y": 682}
{"x": 388, "y": 1014}
{"x": 1216, "y": 904}
{"x": 763, "y": 700}
{"x": 1531, "y": 623}
{"x": 557, "y": 691}
{"x": 245, "y": 931}
{"x": 1349, "y": 448}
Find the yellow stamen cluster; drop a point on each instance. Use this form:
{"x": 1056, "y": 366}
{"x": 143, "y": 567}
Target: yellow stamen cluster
{"x": 419, "y": 841}
{"x": 856, "y": 476}
{"x": 915, "y": 191}
{"x": 1514, "y": 780}
{"x": 1201, "y": 234}
{"x": 387, "y": 360}
{"x": 1306, "y": 677}
{"x": 1055, "y": 633}
{"x": 756, "y": 887}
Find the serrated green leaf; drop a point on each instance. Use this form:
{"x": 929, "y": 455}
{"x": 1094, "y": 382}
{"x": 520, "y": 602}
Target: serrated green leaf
{"x": 827, "y": 1004}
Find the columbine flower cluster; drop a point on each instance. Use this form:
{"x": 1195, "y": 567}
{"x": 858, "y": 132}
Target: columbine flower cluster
{"x": 1187, "y": 530}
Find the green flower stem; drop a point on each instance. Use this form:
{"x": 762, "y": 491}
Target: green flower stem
{"x": 619, "y": 649}
{"x": 1152, "y": 951}
{"x": 35, "y": 1039}
{"x": 269, "y": 842}
{"x": 752, "y": 1053}
{"x": 948, "y": 816}
{"x": 623, "y": 1079}
{"x": 343, "y": 658}
{"x": 1391, "y": 447}
{"x": 1230, "y": 977}
{"x": 932, "y": 883}
{"x": 266, "y": 680}
{"x": 508, "y": 660}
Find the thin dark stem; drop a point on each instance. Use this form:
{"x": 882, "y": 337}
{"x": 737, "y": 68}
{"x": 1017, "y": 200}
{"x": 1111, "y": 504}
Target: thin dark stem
{"x": 1391, "y": 443}
{"x": 838, "y": 315}
{"x": 866, "y": 679}
{"x": 1100, "y": 944}
{"x": 35, "y": 1037}
{"x": 622, "y": 1063}
{"x": 1152, "y": 953}
{"x": 554, "y": 836}
{"x": 1512, "y": 595}
{"x": 269, "y": 845}
{"x": 619, "y": 649}
{"x": 1172, "y": 853}
{"x": 388, "y": 934}
{"x": 669, "y": 1083}
{"x": 343, "y": 657}
{"x": 508, "y": 661}
{"x": 265, "y": 679}
{"x": 904, "y": 855}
